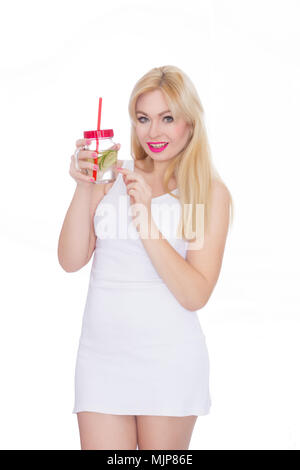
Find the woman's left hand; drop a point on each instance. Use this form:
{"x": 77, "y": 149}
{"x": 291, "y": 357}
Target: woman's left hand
{"x": 139, "y": 191}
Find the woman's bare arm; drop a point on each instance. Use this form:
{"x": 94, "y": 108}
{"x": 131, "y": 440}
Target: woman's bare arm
{"x": 75, "y": 236}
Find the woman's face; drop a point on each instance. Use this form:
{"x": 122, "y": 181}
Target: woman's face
{"x": 156, "y": 125}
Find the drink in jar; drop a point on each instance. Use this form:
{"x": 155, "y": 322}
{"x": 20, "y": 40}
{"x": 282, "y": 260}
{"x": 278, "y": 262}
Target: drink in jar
{"x": 107, "y": 154}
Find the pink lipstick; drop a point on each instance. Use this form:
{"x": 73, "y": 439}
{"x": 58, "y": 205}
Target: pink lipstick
{"x": 159, "y": 149}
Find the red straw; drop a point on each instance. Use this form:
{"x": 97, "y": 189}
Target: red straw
{"x": 99, "y": 114}
{"x": 97, "y": 141}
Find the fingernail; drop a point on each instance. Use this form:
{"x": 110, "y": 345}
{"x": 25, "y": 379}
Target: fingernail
{"x": 95, "y": 167}
{"x": 92, "y": 179}
{"x": 94, "y": 154}
{"x": 119, "y": 168}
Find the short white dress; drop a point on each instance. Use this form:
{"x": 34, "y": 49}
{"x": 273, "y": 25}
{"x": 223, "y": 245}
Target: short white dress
{"x": 140, "y": 351}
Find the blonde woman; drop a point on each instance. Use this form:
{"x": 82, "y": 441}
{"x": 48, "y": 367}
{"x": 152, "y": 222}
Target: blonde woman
{"x": 142, "y": 370}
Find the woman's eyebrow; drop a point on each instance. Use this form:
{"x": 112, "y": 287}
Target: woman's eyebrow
{"x": 160, "y": 114}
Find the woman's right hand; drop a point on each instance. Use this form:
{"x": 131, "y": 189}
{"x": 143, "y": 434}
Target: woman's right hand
{"x": 80, "y": 178}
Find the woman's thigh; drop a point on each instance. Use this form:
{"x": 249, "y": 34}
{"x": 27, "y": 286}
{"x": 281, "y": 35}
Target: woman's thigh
{"x": 106, "y": 431}
{"x": 165, "y": 432}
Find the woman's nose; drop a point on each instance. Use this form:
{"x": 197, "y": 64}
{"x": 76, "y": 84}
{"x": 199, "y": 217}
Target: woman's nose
{"x": 154, "y": 130}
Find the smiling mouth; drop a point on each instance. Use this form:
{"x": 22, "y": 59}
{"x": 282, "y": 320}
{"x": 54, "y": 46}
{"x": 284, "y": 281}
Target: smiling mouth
{"x": 157, "y": 145}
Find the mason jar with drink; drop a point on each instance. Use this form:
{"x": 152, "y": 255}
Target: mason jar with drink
{"x": 104, "y": 151}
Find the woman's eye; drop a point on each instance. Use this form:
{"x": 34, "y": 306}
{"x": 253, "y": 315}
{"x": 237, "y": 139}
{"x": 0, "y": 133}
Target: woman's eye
{"x": 143, "y": 117}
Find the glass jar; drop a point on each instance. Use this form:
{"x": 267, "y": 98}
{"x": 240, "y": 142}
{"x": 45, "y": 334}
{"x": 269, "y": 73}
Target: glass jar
{"x": 101, "y": 142}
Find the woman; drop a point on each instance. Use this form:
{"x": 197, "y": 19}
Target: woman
{"x": 142, "y": 370}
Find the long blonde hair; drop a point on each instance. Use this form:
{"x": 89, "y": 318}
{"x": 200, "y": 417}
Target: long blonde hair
{"x": 192, "y": 167}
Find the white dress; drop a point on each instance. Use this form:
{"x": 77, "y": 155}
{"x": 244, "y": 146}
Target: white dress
{"x": 140, "y": 351}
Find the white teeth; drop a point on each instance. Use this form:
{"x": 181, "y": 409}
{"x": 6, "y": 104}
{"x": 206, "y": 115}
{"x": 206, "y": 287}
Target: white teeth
{"x": 156, "y": 146}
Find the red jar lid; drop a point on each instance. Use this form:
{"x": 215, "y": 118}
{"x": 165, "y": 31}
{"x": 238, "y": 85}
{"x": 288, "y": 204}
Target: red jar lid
{"x": 98, "y": 134}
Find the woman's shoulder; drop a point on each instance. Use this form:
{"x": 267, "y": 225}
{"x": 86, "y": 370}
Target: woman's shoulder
{"x": 219, "y": 186}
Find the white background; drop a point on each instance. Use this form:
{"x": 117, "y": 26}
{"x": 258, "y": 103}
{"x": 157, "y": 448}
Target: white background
{"x": 57, "y": 58}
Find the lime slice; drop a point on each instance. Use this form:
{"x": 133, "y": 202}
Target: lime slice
{"x": 108, "y": 159}
{"x": 102, "y": 158}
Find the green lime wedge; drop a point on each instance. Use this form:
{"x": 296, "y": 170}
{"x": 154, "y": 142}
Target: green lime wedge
{"x": 108, "y": 159}
{"x": 102, "y": 158}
